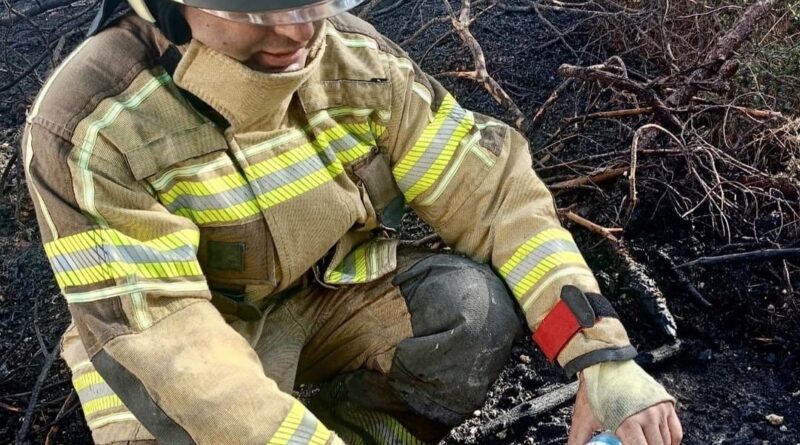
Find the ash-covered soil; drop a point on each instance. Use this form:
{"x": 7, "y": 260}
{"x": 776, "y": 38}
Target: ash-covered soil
{"x": 738, "y": 362}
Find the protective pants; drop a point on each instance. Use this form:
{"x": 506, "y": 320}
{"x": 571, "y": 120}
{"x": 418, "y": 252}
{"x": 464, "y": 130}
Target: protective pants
{"x": 399, "y": 360}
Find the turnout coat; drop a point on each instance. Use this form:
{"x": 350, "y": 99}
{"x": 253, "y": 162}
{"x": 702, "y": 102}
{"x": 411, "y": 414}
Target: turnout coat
{"x": 162, "y": 176}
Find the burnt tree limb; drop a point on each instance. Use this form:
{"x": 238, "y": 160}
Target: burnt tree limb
{"x": 745, "y": 257}
{"x": 461, "y": 24}
{"x": 716, "y": 59}
{"x": 644, "y": 93}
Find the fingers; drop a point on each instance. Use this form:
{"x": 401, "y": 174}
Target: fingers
{"x": 584, "y": 421}
{"x": 666, "y": 436}
{"x": 675, "y": 428}
{"x": 630, "y": 433}
{"x": 657, "y": 425}
{"x": 652, "y": 432}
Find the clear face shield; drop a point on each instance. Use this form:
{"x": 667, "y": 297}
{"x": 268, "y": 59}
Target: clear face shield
{"x": 317, "y": 11}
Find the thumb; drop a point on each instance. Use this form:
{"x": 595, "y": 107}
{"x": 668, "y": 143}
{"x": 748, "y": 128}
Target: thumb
{"x": 584, "y": 422}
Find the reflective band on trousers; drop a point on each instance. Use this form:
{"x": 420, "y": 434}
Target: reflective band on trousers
{"x": 101, "y": 406}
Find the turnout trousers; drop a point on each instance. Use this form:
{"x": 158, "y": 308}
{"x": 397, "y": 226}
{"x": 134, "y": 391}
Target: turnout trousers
{"x": 398, "y": 360}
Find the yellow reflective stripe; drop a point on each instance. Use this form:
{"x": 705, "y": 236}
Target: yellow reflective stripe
{"x": 300, "y": 186}
{"x": 413, "y": 156}
{"x": 321, "y": 435}
{"x": 334, "y": 276}
{"x": 425, "y": 162}
{"x": 570, "y": 271}
{"x": 543, "y": 267}
{"x": 101, "y": 404}
{"x": 531, "y": 245}
{"x": 229, "y": 198}
{"x": 451, "y": 171}
{"x": 97, "y": 237}
{"x": 353, "y": 154}
{"x": 373, "y": 253}
{"x": 361, "y": 263}
{"x": 204, "y": 187}
{"x": 126, "y": 416}
{"x": 546, "y": 251}
{"x": 378, "y": 130}
{"x": 289, "y": 425}
{"x": 282, "y": 161}
{"x": 99, "y": 255}
{"x": 116, "y": 269}
{"x": 86, "y": 380}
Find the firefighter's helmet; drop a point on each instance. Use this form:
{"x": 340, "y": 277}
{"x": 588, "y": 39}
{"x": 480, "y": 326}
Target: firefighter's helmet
{"x": 259, "y": 12}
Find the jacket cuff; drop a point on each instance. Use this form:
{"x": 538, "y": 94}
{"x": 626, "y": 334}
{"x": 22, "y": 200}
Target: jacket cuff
{"x": 582, "y": 329}
{"x": 612, "y": 354}
{"x": 606, "y": 341}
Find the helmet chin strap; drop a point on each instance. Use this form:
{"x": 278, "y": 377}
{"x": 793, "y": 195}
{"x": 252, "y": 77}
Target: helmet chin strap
{"x": 166, "y": 14}
{"x": 104, "y": 15}
{"x": 170, "y": 20}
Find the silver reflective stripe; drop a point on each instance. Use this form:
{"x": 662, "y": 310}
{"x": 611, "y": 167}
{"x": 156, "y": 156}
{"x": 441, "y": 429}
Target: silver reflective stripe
{"x": 310, "y": 13}
{"x": 93, "y": 392}
{"x": 349, "y": 268}
{"x": 283, "y": 177}
{"x": 217, "y": 201}
{"x": 131, "y": 254}
{"x": 295, "y": 172}
{"x": 305, "y": 431}
{"x": 433, "y": 149}
{"x": 534, "y": 258}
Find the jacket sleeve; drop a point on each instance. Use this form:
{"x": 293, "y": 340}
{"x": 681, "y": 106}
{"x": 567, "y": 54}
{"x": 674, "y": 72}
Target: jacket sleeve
{"x": 138, "y": 297}
{"x": 470, "y": 178}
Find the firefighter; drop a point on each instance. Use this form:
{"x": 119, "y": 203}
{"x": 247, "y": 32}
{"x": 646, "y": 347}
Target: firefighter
{"x": 218, "y": 184}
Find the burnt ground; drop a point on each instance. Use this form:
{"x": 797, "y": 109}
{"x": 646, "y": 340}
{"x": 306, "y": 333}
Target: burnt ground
{"x": 738, "y": 362}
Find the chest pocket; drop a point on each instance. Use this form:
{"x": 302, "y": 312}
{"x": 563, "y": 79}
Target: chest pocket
{"x": 360, "y": 109}
{"x": 193, "y": 175}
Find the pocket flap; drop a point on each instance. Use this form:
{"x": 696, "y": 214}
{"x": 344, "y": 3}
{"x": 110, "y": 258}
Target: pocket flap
{"x": 375, "y": 94}
{"x": 153, "y": 157}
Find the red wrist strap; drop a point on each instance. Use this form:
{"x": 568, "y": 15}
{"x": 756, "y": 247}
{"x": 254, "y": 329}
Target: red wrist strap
{"x": 556, "y": 330}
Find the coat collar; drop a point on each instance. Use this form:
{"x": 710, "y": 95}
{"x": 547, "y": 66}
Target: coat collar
{"x": 248, "y": 99}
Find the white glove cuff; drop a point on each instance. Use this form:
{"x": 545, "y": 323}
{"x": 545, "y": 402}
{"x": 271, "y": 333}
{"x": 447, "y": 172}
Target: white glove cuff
{"x": 618, "y": 390}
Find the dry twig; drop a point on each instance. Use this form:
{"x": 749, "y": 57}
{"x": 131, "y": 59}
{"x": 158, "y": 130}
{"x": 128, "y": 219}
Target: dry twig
{"x": 480, "y": 74}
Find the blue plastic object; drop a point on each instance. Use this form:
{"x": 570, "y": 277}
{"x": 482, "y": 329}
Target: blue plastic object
{"x": 605, "y": 439}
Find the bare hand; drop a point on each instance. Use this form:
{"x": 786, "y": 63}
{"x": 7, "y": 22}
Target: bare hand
{"x": 657, "y": 425}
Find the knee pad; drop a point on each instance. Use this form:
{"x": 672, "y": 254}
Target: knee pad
{"x": 464, "y": 322}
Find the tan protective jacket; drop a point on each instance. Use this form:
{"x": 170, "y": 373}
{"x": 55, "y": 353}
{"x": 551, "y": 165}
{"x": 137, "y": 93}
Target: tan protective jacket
{"x": 145, "y": 203}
